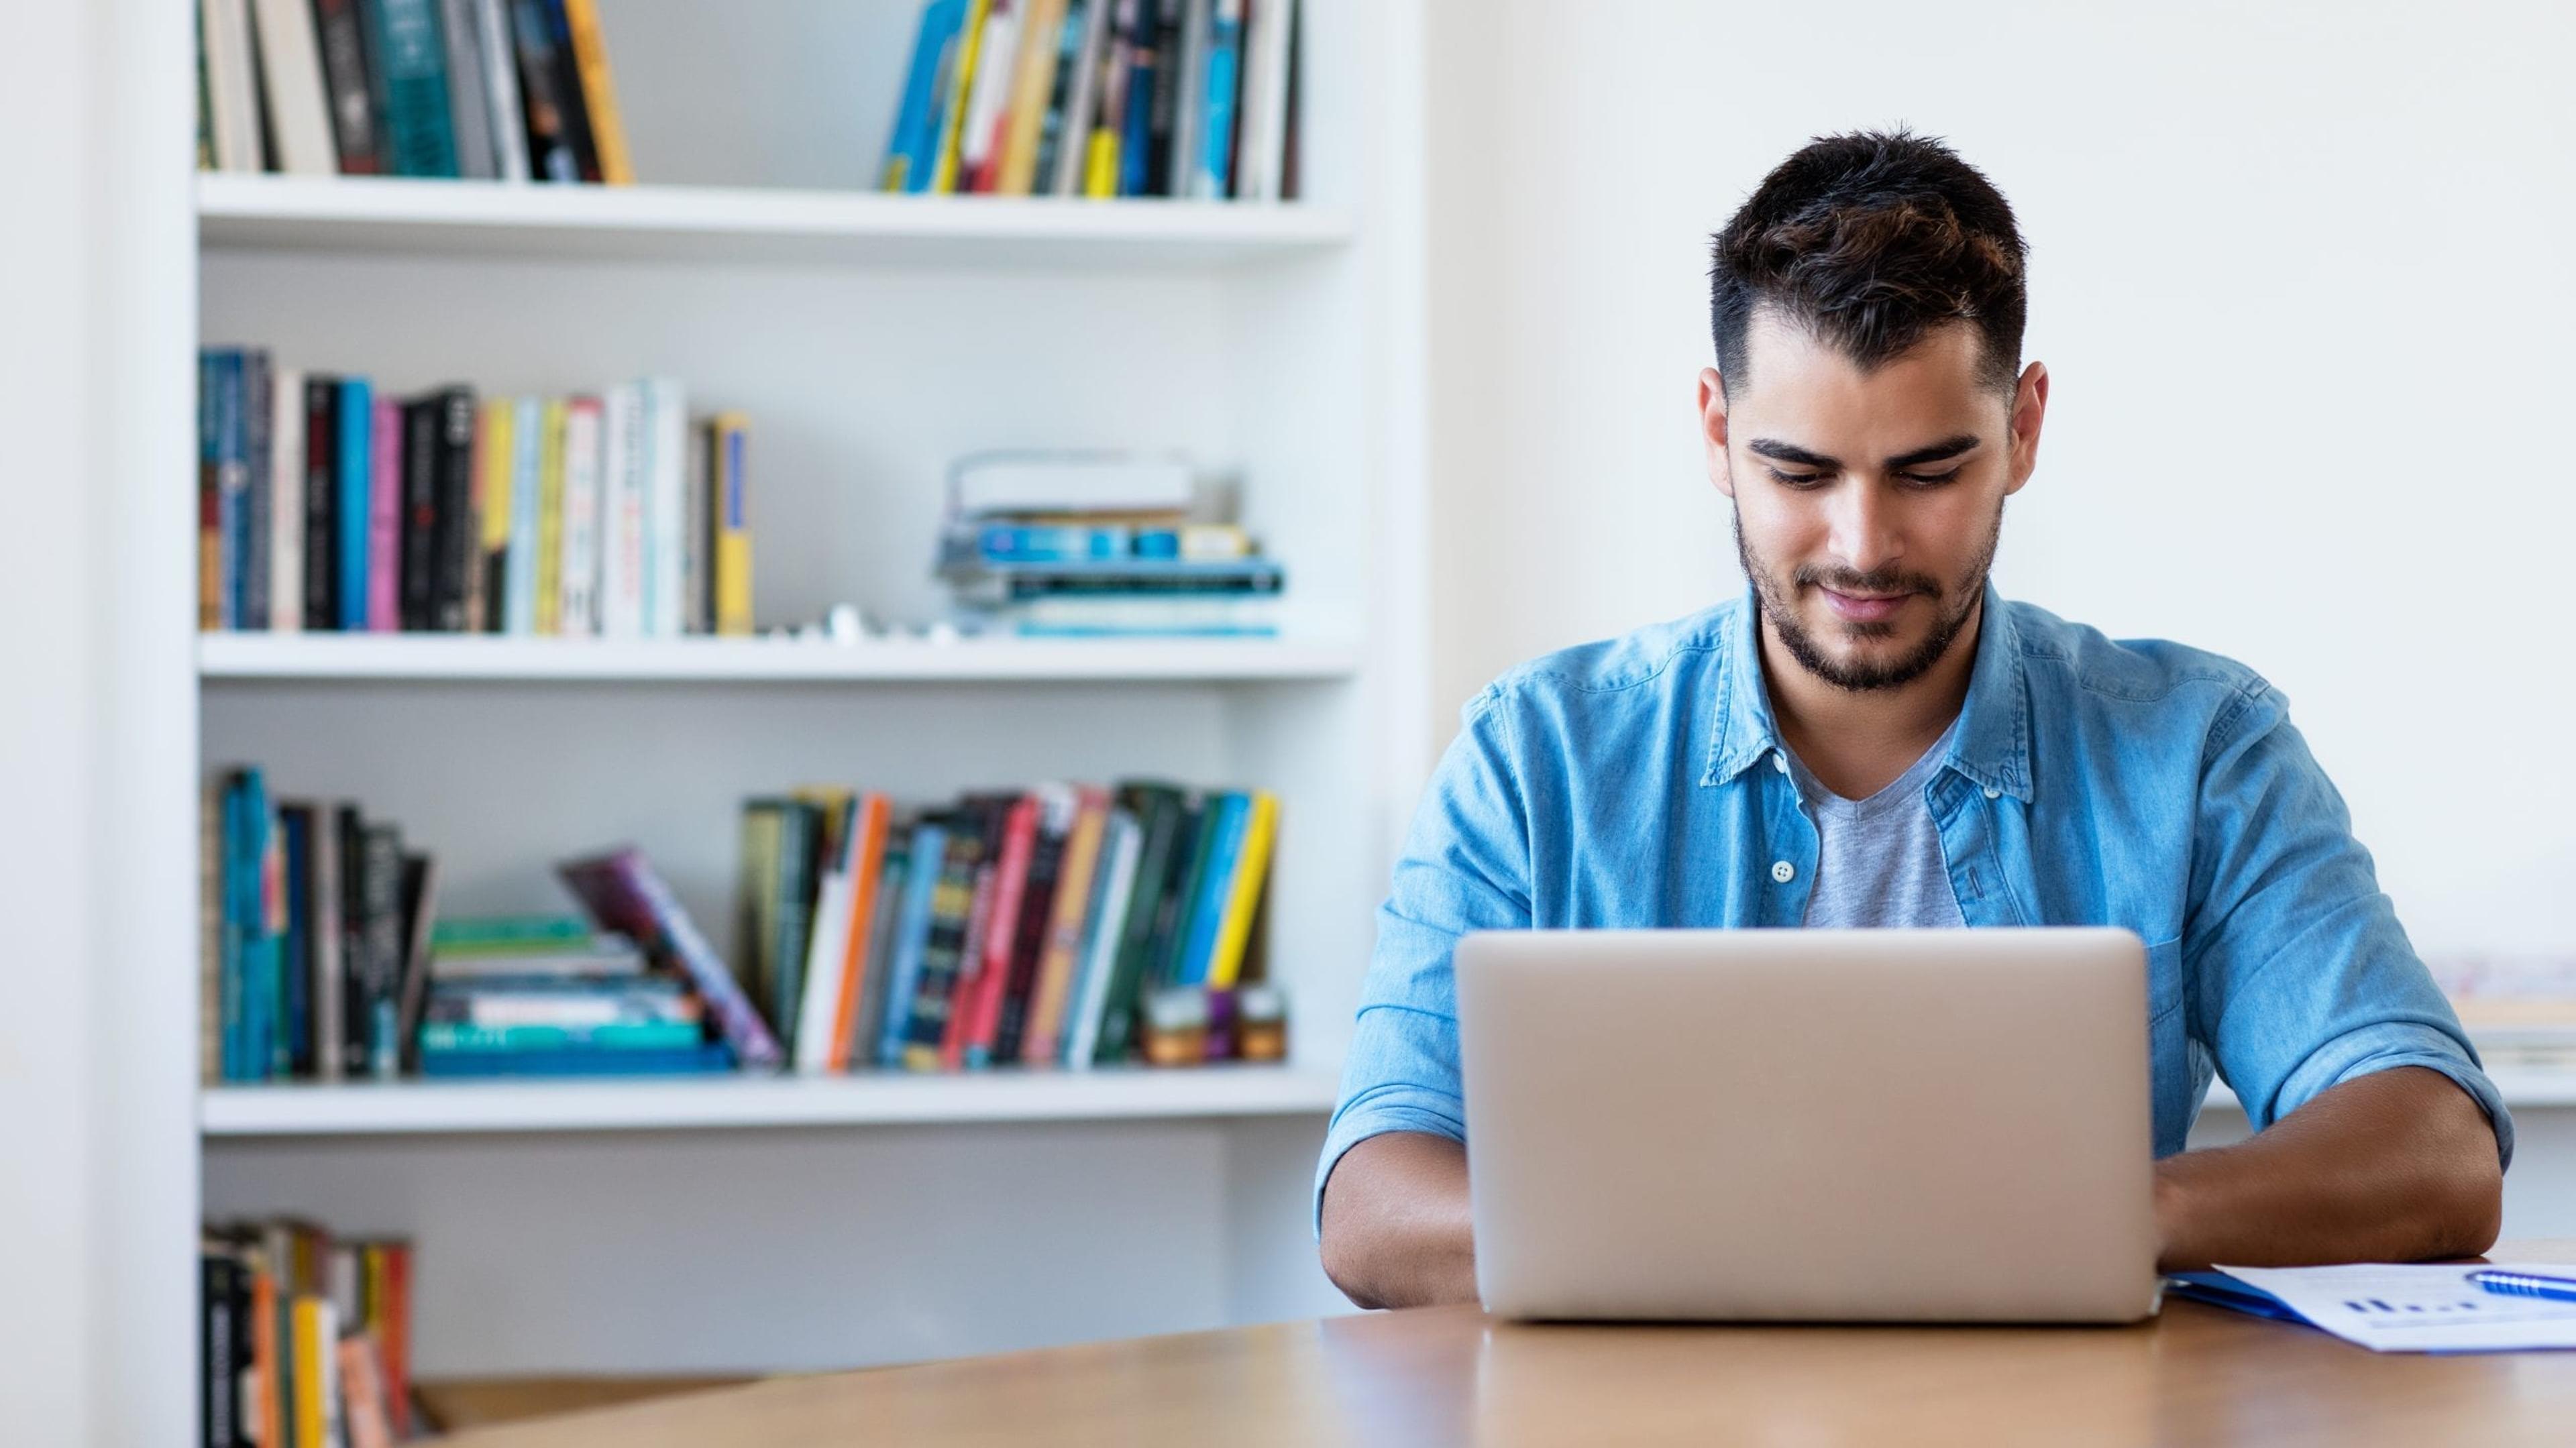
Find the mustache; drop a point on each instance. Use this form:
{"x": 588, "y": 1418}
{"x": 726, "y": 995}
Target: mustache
{"x": 1878, "y": 582}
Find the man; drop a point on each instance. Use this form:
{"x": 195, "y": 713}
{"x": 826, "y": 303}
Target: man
{"x": 1870, "y": 737}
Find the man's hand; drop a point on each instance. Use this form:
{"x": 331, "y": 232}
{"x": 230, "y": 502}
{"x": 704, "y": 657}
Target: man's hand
{"x": 1396, "y": 1227}
{"x": 2399, "y": 1166}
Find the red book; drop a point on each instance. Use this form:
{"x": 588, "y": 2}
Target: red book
{"x": 970, "y": 960}
{"x": 395, "y": 1347}
{"x": 993, "y": 970}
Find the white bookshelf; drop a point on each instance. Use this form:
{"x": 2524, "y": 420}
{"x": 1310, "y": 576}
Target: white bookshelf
{"x": 843, "y": 1221}
{"x": 733, "y": 1102}
{"x": 432, "y": 658}
{"x": 737, "y": 224}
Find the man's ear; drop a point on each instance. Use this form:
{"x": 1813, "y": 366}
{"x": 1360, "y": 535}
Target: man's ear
{"x": 2030, "y": 409}
{"x": 1712, "y": 428}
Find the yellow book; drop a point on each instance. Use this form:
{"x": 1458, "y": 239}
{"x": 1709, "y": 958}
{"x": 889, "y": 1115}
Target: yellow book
{"x": 1100, "y": 173}
{"x": 732, "y": 531}
{"x": 1041, "y": 45}
{"x": 313, "y": 1347}
{"x": 550, "y": 479}
{"x": 1234, "y": 928}
{"x": 598, "y": 92}
{"x": 492, "y": 484}
{"x": 961, "y": 84}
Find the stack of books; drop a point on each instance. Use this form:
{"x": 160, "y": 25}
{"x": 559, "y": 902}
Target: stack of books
{"x": 312, "y": 917}
{"x": 325, "y": 505}
{"x": 1100, "y": 98}
{"x": 547, "y": 996}
{"x": 511, "y": 90}
{"x": 1010, "y": 928}
{"x": 1100, "y": 546}
{"x": 304, "y": 1340}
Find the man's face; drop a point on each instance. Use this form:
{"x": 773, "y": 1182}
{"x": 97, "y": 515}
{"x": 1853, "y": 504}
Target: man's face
{"x": 1867, "y": 504}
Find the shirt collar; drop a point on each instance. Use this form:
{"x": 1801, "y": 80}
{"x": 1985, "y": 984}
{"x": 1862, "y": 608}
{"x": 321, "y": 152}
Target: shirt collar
{"x": 1991, "y": 747}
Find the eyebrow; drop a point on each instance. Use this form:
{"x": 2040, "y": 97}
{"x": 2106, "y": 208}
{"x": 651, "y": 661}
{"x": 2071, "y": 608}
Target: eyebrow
{"x": 1786, "y": 452}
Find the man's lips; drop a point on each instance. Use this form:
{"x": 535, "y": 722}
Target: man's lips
{"x": 1864, "y": 608}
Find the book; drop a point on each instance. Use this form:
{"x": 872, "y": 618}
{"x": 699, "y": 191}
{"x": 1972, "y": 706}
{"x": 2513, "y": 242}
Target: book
{"x": 253, "y": 569}
{"x": 1204, "y": 904}
{"x": 224, "y": 35}
{"x": 760, "y": 843}
{"x": 409, "y": 58}
{"x": 356, "y": 474}
{"x": 798, "y": 828}
{"x": 1180, "y": 164}
{"x": 368, "y": 1423}
{"x": 417, "y": 549}
{"x": 1164, "y": 101}
{"x": 598, "y": 92}
{"x": 732, "y": 567}
{"x": 866, "y": 883}
{"x": 710, "y": 1056}
{"x": 495, "y": 472}
{"x": 378, "y": 992}
{"x": 1244, "y": 884}
{"x": 419, "y": 908}
{"x": 926, "y": 861}
{"x": 666, "y": 523}
{"x": 1067, "y": 928}
{"x": 1213, "y": 176}
{"x": 567, "y": 78}
{"x": 998, "y": 936}
{"x": 357, "y": 143}
{"x": 1057, "y": 808}
{"x": 1268, "y": 41}
{"x": 1122, "y": 844}
{"x": 527, "y": 508}
{"x": 958, "y": 92}
{"x": 384, "y": 515}
{"x": 577, "y": 582}
{"x": 469, "y": 106}
{"x": 1136, "y": 123}
{"x": 296, "y": 827}
{"x": 623, "y": 511}
{"x": 911, "y": 158}
{"x": 456, "y": 523}
{"x": 1106, "y": 118}
{"x": 547, "y": 125}
{"x": 1072, "y": 138}
{"x": 1015, "y": 167}
{"x": 551, "y": 417}
{"x": 290, "y": 75}
{"x": 1073, "y": 28}
{"x": 321, "y": 494}
{"x": 697, "y": 546}
{"x": 996, "y": 69}
{"x": 287, "y": 517}
{"x": 500, "y": 69}
{"x": 943, "y": 949}
{"x": 623, "y": 894}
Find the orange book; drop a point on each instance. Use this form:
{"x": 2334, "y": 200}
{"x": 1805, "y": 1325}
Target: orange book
{"x": 598, "y": 92}
{"x": 867, "y": 867}
{"x": 1064, "y": 929}
{"x": 362, "y": 1394}
{"x": 265, "y": 1345}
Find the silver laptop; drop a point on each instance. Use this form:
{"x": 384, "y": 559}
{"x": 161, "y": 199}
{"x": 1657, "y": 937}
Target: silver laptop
{"x": 1861, "y": 1125}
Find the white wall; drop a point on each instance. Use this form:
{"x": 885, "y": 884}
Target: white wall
{"x": 2298, "y": 270}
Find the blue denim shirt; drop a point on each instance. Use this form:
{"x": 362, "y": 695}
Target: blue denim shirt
{"x": 1641, "y": 782}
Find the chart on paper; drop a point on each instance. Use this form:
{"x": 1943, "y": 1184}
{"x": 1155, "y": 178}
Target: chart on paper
{"x": 2430, "y": 1308}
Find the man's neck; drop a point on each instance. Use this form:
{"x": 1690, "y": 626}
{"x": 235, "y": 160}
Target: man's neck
{"x": 1857, "y": 742}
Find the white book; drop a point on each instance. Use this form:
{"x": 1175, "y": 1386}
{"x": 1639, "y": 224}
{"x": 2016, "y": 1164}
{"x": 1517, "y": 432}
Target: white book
{"x": 290, "y": 76}
{"x": 1073, "y": 145}
{"x": 827, "y": 952}
{"x": 327, "y": 979}
{"x": 994, "y": 71}
{"x": 469, "y": 118}
{"x": 232, "y": 97}
{"x": 1070, "y": 482}
{"x": 1264, "y": 148}
{"x": 501, "y": 87}
{"x": 666, "y": 525}
{"x": 621, "y": 480}
{"x": 577, "y": 596}
{"x": 286, "y": 502}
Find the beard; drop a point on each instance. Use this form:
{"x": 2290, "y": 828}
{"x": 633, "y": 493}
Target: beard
{"x": 1952, "y": 603}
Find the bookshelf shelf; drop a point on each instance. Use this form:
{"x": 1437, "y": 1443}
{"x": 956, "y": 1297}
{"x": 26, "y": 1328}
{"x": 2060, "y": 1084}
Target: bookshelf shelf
{"x": 739, "y": 224}
{"x": 462, "y": 659}
{"x": 432, "y": 1108}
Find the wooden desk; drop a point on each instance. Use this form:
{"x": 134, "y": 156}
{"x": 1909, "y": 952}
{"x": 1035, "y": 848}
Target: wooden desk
{"x": 1450, "y": 1375}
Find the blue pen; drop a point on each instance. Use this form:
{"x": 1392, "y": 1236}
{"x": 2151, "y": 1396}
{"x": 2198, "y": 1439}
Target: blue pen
{"x": 2527, "y": 1284}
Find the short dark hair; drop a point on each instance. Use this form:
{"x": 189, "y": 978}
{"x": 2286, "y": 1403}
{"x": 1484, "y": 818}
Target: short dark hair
{"x": 1870, "y": 240}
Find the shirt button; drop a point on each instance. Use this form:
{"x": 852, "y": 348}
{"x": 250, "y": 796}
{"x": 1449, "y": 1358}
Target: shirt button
{"x": 1780, "y": 762}
{"x": 1993, "y": 793}
{"x": 1783, "y": 872}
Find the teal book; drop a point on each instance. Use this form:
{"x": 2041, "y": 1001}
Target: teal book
{"x": 613, "y": 1036}
{"x": 409, "y": 55}
{"x": 692, "y": 1060}
{"x": 357, "y": 475}
{"x": 1160, "y": 810}
{"x": 912, "y": 936}
{"x": 1229, "y": 816}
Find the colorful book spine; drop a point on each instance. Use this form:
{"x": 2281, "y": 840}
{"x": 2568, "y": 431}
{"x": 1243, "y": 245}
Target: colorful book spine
{"x": 928, "y": 858}
{"x": 496, "y": 458}
{"x": 550, "y": 515}
{"x": 1122, "y": 847}
{"x": 867, "y": 855}
{"x": 1212, "y": 178}
{"x": 357, "y": 498}
{"x": 624, "y": 894}
{"x": 993, "y": 973}
{"x": 409, "y": 60}
{"x": 911, "y": 159}
{"x": 733, "y": 526}
{"x": 1243, "y": 892}
{"x": 1206, "y": 903}
{"x": 1067, "y": 928}
{"x": 598, "y": 93}
{"x": 961, "y": 85}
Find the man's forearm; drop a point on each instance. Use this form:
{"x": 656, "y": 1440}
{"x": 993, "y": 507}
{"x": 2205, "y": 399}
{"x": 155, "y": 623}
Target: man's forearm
{"x": 2397, "y": 1166}
{"x": 1397, "y": 1231}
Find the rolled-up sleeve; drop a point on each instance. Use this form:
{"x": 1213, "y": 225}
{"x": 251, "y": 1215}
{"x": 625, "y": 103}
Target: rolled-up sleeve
{"x": 1465, "y": 866}
{"x": 2303, "y": 977}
